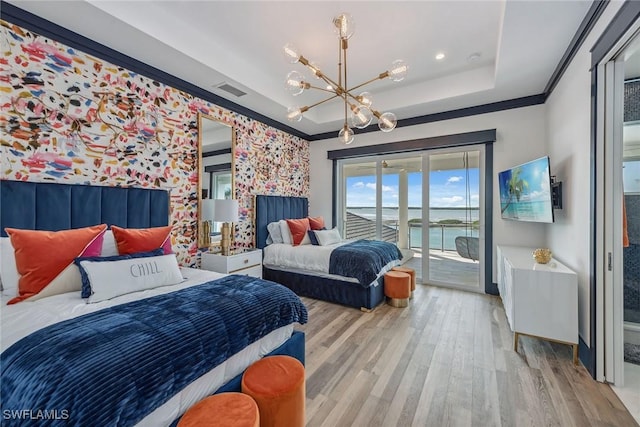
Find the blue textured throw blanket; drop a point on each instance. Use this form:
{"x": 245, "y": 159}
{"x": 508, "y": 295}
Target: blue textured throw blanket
{"x": 115, "y": 366}
{"x": 363, "y": 259}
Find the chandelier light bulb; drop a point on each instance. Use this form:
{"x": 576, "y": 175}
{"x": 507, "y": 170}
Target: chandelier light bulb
{"x": 294, "y": 83}
{"x": 291, "y": 53}
{"x": 346, "y": 136}
{"x": 361, "y": 116}
{"x": 366, "y": 99}
{"x": 345, "y": 26}
{"x": 398, "y": 70}
{"x": 387, "y": 122}
{"x": 294, "y": 114}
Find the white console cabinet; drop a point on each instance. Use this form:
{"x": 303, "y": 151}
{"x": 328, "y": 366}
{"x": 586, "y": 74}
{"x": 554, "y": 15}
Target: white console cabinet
{"x": 540, "y": 300}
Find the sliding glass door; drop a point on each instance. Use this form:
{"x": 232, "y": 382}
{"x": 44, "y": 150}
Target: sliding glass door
{"x": 452, "y": 190}
{"x": 427, "y": 203}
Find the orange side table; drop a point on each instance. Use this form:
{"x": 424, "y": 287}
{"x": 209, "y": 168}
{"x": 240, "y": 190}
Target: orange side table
{"x": 397, "y": 287}
{"x": 411, "y": 272}
{"x": 222, "y": 410}
{"x": 277, "y": 384}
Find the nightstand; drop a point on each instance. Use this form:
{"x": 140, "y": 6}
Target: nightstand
{"x": 247, "y": 262}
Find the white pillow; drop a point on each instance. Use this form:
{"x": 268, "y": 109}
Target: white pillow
{"x": 109, "y": 279}
{"x": 109, "y": 247}
{"x": 328, "y": 237}
{"x": 8, "y": 269}
{"x": 275, "y": 234}
{"x": 286, "y": 233}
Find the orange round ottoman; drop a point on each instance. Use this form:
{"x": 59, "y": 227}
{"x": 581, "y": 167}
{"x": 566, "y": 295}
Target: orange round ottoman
{"x": 277, "y": 385}
{"x": 411, "y": 272}
{"x": 397, "y": 287}
{"x": 222, "y": 410}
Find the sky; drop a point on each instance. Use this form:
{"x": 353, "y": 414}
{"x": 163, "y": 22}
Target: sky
{"x": 536, "y": 175}
{"x": 447, "y": 189}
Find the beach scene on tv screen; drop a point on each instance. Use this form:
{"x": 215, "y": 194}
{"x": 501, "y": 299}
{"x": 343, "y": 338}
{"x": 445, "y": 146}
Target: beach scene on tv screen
{"x": 525, "y": 192}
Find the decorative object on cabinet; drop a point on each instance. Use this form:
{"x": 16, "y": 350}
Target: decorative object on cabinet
{"x": 540, "y": 300}
{"x": 542, "y": 255}
{"x": 247, "y": 262}
{"x": 207, "y": 209}
{"x": 226, "y": 211}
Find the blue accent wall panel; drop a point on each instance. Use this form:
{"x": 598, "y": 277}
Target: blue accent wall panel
{"x": 159, "y": 212}
{"x": 86, "y": 205}
{"x": 114, "y": 207}
{"x": 16, "y": 202}
{"x": 138, "y": 208}
{"x": 50, "y": 206}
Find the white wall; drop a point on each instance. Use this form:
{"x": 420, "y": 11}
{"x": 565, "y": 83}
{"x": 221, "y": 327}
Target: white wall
{"x": 569, "y": 136}
{"x": 521, "y": 136}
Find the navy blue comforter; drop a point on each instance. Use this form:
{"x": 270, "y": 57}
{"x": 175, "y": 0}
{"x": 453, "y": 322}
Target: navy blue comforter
{"x": 115, "y": 366}
{"x": 363, "y": 259}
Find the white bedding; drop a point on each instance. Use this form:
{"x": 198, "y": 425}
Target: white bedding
{"x": 309, "y": 259}
{"x": 20, "y": 320}
{"x": 303, "y": 257}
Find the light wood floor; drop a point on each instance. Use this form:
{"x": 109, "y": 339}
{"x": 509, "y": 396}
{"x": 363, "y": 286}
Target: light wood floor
{"x": 446, "y": 360}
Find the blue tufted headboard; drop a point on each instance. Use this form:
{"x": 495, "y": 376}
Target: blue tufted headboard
{"x": 50, "y": 206}
{"x": 274, "y": 208}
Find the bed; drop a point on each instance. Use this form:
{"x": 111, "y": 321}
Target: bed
{"x": 334, "y": 288}
{"x": 140, "y": 358}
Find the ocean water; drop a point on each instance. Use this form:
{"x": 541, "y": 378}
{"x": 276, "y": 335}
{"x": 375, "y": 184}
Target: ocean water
{"x": 439, "y": 237}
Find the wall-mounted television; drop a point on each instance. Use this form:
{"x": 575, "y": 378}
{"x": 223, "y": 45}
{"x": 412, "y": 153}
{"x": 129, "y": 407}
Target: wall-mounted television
{"x": 525, "y": 192}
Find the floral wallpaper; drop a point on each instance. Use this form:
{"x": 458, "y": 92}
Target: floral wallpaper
{"x": 69, "y": 117}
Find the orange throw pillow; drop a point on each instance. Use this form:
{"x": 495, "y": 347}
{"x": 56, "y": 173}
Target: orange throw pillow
{"x": 298, "y": 228}
{"x": 42, "y": 255}
{"x": 132, "y": 240}
{"x": 316, "y": 223}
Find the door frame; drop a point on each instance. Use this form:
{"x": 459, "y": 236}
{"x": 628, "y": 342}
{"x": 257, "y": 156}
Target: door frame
{"x": 483, "y": 137}
{"x": 609, "y": 305}
{"x": 481, "y": 286}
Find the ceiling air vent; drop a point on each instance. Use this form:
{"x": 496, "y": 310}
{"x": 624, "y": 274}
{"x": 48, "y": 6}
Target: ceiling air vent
{"x": 231, "y": 89}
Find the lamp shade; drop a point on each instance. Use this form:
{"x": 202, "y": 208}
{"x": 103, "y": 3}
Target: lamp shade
{"x": 225, "y": 210}
{"x": 207, "y": 209}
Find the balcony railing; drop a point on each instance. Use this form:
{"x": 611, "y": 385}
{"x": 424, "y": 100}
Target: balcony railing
{"x": 359, "y": 227}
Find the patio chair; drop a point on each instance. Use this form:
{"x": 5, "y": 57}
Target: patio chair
{"x": 468, "y": 247}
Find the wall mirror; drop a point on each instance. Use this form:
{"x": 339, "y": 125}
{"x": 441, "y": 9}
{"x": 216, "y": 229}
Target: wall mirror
{"x": 216, "y": 143}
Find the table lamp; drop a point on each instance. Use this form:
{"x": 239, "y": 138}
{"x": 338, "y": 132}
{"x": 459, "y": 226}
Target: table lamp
{"x": 207, "y": 211}
{"x": 226, "y": 211}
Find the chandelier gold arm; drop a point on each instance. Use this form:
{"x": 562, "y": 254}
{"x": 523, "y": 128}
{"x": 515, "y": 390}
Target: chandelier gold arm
{"x": 380, "y": 77}
{"x": 317, "y": 71}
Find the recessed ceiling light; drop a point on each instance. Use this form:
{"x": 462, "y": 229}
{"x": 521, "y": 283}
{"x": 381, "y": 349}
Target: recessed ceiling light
{"x": 440, "y": 56}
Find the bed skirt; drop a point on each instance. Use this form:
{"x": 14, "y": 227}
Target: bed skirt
{"x": 346, "y": 293}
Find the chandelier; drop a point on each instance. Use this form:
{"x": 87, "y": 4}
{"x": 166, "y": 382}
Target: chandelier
{"x": 357, "y": 108}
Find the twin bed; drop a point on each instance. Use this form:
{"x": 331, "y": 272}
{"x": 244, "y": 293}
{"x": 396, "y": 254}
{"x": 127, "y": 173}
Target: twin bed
{"x": 143, "y": 358}
{"x": 140, "y": 358}
{"x": 361, "y": 288}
